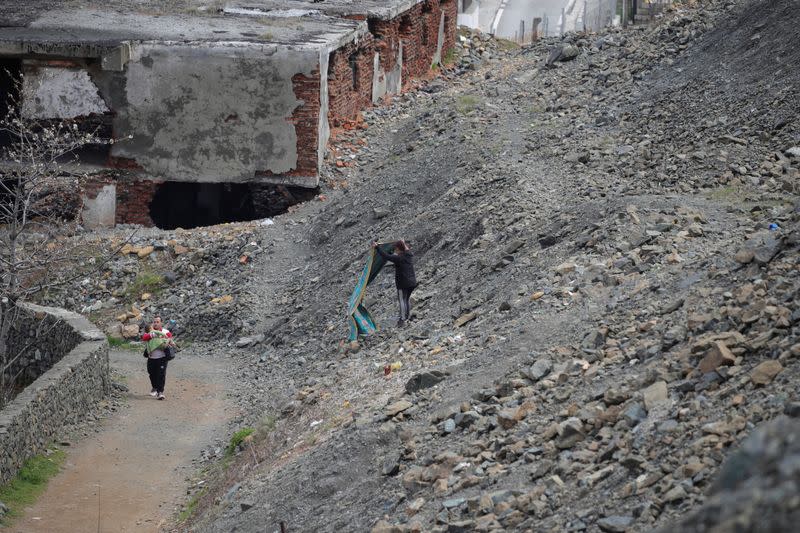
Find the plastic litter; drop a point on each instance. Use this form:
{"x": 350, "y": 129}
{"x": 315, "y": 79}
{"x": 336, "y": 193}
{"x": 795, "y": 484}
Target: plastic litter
{"x": 774, "y": 227}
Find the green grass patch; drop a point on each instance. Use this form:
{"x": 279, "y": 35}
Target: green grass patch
{"x": 123, "y": 344}
{"x": 146, "y": 281}
{"x": 467, "y": 103}
{"x": 449, "y": 57}
{"x": 191, "y": 507}
{"x": 506, "y": 45}
{"x": 725, "y": 193}
{"x": 31, "y": 481}
{"x": 237, "y": 439}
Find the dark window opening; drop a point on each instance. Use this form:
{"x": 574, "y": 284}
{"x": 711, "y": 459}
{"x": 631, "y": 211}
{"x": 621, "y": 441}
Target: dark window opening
{"x": 191, "y": 205}
{"x": 331, "y": 70}
{"x": 95, "y": 154}
{"x": 372, "y": 25}
{"x": 353, "y": 61}
{"x": 405, "y": 25}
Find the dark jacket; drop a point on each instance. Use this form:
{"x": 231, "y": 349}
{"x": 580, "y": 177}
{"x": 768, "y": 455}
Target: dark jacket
{"x": 404, "y": 277}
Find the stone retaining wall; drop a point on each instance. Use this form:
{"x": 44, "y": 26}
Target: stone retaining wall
{"x": 75, "y": 354}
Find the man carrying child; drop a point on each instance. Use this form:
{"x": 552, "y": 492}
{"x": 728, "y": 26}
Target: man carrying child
{"x": 158, "y": 348}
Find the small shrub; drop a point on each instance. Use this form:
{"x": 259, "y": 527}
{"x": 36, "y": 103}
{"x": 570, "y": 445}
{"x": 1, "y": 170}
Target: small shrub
{"x": 192, "y": 505}
{"x": 266, "y": 425}
{"x": 449, "y": 57}
{"x": 237, "y": 439}
{"x": 146, "y": 281}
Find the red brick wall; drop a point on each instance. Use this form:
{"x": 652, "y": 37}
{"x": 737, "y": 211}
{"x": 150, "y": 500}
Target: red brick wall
{"x": 387, "y": 41}
{"x": 418, "y": 28}
{"x": 450, "y": 9}
{"x": 350, "y": 92}
{"x": 306, "y": 122}
{"x": 133, "y": 201}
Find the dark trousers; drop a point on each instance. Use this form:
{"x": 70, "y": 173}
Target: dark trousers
{"x": 157, "y": 370}
{"x": 404, "y": 298}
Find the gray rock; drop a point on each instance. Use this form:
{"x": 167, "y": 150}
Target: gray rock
{"x": 453, "y": 502}
{"x": 634, "y": 414}
{"x": 466, "y": 419}
{"x": 539, "y": 369}
{"x": 424, "y": 380}
{"x": 570, "y": 432}
{"x": 615, "y": 524}
{"x": 391, "y": 464}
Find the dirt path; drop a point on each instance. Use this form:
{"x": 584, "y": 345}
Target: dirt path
{"x": 131, "y": 475}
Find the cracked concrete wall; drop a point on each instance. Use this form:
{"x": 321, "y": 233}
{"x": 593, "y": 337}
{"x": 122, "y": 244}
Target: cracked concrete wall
{"x": 209, "y": 112}
{"x": 100, "y": 211}
{"x": 62, "y": 93}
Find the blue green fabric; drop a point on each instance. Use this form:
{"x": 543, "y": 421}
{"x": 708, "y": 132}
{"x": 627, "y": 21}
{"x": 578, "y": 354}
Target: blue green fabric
{"x": 359, "y": 319}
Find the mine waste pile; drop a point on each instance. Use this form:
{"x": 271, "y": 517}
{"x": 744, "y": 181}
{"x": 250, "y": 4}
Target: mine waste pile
{"x": 606, "y": 334}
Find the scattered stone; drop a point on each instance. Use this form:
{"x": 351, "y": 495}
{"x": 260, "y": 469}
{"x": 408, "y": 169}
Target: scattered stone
{"x": 655, "y": 394}
{"x": 765, "y": 372}
{"x": 717, "y": 355}
{"x": 615, "y": 524}
{"x": 539, "y": 369}
{"x": 397, "y": 407}
{"x": 570, "y": 432}
{"x": 424, "y": 380}
{"x": 465, "y": 318}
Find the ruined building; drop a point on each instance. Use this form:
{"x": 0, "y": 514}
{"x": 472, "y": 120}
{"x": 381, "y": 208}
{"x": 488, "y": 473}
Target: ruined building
{"x": 205, "y": 101}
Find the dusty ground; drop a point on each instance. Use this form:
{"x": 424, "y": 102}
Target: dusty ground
{"x": 132, "y": 475}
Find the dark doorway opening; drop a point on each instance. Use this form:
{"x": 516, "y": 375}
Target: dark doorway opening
{"x": 192, "y": 205}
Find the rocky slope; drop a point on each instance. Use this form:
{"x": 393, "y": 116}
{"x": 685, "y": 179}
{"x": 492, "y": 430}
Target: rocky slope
{"x": 608, "y": 254}
{"x": 606, "y": 232}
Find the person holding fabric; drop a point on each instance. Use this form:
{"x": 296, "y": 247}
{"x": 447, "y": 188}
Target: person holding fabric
{"x": 404, "y": 277}
{"x": 158, "y": 339}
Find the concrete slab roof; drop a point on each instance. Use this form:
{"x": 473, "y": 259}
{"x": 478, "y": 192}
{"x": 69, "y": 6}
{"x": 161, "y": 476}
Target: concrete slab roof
{"x": 94, "y": 30}
{"x": 380, "y": 9}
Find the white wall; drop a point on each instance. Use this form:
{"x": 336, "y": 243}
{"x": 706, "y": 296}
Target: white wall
{"x": 468, "y": 13}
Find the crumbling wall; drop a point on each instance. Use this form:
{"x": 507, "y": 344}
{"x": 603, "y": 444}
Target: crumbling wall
{"x": 133, "y": 200}
{"x": 350, "y": 78}
{"x": 59, "y": 89}
{"x": 409, "y": 44}
{"x": 182, "y": 131}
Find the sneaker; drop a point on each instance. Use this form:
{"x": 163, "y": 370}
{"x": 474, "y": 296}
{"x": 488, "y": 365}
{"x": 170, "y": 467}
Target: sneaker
{"x": 160, "y": 395}
{"x": 153, "y": 393}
